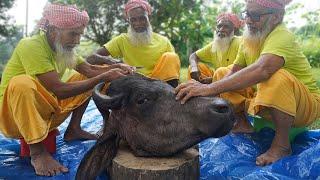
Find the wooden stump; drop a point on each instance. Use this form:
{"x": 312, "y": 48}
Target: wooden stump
{"x": 183, "y": 166}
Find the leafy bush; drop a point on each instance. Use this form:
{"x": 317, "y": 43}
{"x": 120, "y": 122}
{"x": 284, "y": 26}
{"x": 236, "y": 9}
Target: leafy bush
{"x": 311, "y": 48}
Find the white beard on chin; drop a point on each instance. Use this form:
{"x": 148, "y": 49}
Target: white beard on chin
{"x": 254, "y": 41}
{"x": 140, "y": 38}
{"x": 221, "y": 44}
{"x": 65, "y": 58}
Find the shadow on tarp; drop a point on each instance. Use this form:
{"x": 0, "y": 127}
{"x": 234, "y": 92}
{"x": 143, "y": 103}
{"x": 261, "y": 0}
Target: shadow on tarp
{"x": 230, "y": 157}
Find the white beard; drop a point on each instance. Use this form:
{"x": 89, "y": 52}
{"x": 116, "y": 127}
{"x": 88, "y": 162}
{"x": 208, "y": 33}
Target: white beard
{"x": 254, "y": 41}
{"x": 221, "y": 44}
{"x": 65, "y": 58}
{"x": 140, "y": 38}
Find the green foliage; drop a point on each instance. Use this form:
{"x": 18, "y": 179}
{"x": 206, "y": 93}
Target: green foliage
{"x": 311, "y": 48}
{"x": 5, "y": 28}
{"x": 7, "y": 44}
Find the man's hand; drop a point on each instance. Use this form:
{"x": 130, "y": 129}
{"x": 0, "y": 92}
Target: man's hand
{"x": 195, "y": 75}
{"x": 126, "y": 68}
{"x": 191, "y": 89}
{"x": 114, "y": 74}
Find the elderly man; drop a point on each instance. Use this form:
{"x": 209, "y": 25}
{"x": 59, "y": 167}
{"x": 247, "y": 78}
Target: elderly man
{"x": 141, "y": 47}
{"x": 33, "y": 99}
{"x": 271, "y": 59}
{"x": 221, "y": 52}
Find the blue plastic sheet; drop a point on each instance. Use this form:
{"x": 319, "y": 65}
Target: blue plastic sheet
{"x": 230, "y": 157}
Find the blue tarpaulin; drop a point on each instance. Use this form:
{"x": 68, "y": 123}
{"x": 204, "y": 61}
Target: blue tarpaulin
{"x": 229, "y": 157}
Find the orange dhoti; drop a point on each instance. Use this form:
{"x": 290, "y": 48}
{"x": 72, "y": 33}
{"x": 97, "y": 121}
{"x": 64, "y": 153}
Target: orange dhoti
{"x": 30, "y": 112}
{"x": 205, "y": 71}
{"x": 167, "y": 67}
{"x": 282, "y": 91}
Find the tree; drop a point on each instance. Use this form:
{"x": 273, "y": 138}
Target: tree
{"x": 5, "y": 28}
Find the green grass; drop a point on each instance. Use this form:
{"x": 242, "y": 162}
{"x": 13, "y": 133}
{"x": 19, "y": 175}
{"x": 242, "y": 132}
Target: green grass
{"x": 315, "y": 71}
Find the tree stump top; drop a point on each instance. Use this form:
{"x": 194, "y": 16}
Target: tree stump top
{"x": 127, "y": 159}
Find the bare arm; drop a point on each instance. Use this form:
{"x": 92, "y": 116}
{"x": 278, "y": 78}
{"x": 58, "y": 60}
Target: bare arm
{"x": 52, "y": 83}
{"x": 194, "y": 72}
{"x": 102, "y": 56}
{"x": 262, "y": 70}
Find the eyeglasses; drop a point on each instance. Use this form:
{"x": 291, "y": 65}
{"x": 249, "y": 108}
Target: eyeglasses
{"x": 137, "y": 19}
{"x": 255, "y": 16}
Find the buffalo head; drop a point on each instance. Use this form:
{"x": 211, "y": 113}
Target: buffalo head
{"x": 144, "y": 113}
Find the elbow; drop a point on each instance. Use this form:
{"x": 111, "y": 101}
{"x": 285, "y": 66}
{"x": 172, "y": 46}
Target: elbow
{"x": 60, "y": 95}
{"x": 91, "y": 59}
{"x": 265, "y": 73}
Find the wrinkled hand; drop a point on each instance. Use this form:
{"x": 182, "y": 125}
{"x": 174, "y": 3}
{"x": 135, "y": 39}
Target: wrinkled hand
{"x": 126, "y": 68}
{"x": 191, "y": 89}
{"x": 195, "y": 75}
{"x": 113, "y": 74}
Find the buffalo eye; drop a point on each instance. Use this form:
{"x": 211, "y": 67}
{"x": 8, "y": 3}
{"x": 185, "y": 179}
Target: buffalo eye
{"x": 142, "y": 101}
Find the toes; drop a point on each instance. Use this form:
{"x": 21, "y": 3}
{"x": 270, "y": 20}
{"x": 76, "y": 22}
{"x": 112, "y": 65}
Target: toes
{"x": 63, "y": 169}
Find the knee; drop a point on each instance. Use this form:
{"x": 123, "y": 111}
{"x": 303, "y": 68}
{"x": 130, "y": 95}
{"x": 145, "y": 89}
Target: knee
{"x": 21, "y": 84}
{"x": 280, "y": 78}
{"x": 220, "y": 73}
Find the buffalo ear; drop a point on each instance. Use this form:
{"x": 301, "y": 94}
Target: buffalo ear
{"x": 98, "y": 158}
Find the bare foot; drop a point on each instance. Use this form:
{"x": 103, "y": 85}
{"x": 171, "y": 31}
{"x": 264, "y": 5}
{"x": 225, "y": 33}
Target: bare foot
{"x": 78, "y": 134}
{"x": 272, "y": 155}
{"x": 44, "y": 164}
{"x": 242, "y": 126}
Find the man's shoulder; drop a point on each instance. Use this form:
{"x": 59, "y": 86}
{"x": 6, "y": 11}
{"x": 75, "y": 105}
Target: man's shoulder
{"x": 35, "y": 41}
{"x": 159, "y": 36}
{"x": 281, "y": 32}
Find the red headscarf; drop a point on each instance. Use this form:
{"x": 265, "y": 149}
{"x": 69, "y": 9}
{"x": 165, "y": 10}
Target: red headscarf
{"x": 275, "y": 4}
{"x": 237, "y": 23}
{"x": 131, "y": 4}
{"x": 63, "y": 16}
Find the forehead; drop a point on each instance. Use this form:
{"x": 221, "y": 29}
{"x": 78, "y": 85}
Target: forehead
{"x": 253, "y": 6}
{"x": 137, "y": 12}
{"x": 224, "y": 21}
{"x": 79, "y": 30}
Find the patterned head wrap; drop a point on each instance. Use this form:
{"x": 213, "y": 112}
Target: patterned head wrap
{"x": 275, "y": 4}
{"x": 237, "y": 23}
{"x": 131, "y": 4}
{"x": 63, "y": 16}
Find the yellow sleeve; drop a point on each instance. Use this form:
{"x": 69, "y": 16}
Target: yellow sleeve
{"x": 205, "y": 54}
{"x": 280, "y": 43}
{"x": 241, "y": 58}
{"x": 34, "y": 58}
{"x": 113, "y": 46}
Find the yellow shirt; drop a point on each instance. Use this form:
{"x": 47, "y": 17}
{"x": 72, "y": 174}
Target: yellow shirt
{"x": 32, "y": 56}
{"x": 219, "y": 59}
{"x": 282, "y": 42}
{"x": 145, "y": 56}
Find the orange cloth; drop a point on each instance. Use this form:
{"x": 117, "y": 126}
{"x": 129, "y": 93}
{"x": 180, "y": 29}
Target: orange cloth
{"x": 282, "y": 91}
{"x": 167, "y": 67}
{"x": 205, "y": 71}
{"x": 29, "y": 111}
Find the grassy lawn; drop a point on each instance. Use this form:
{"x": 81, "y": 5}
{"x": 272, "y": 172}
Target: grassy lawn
{"x": 316, "y": 72}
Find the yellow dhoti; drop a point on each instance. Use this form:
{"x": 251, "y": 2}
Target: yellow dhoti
{"x": 29, "y": 111}
{"x": 282, "y": 91}
{"x": 167, "y": 67}
{"x": 205, "y": 71}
